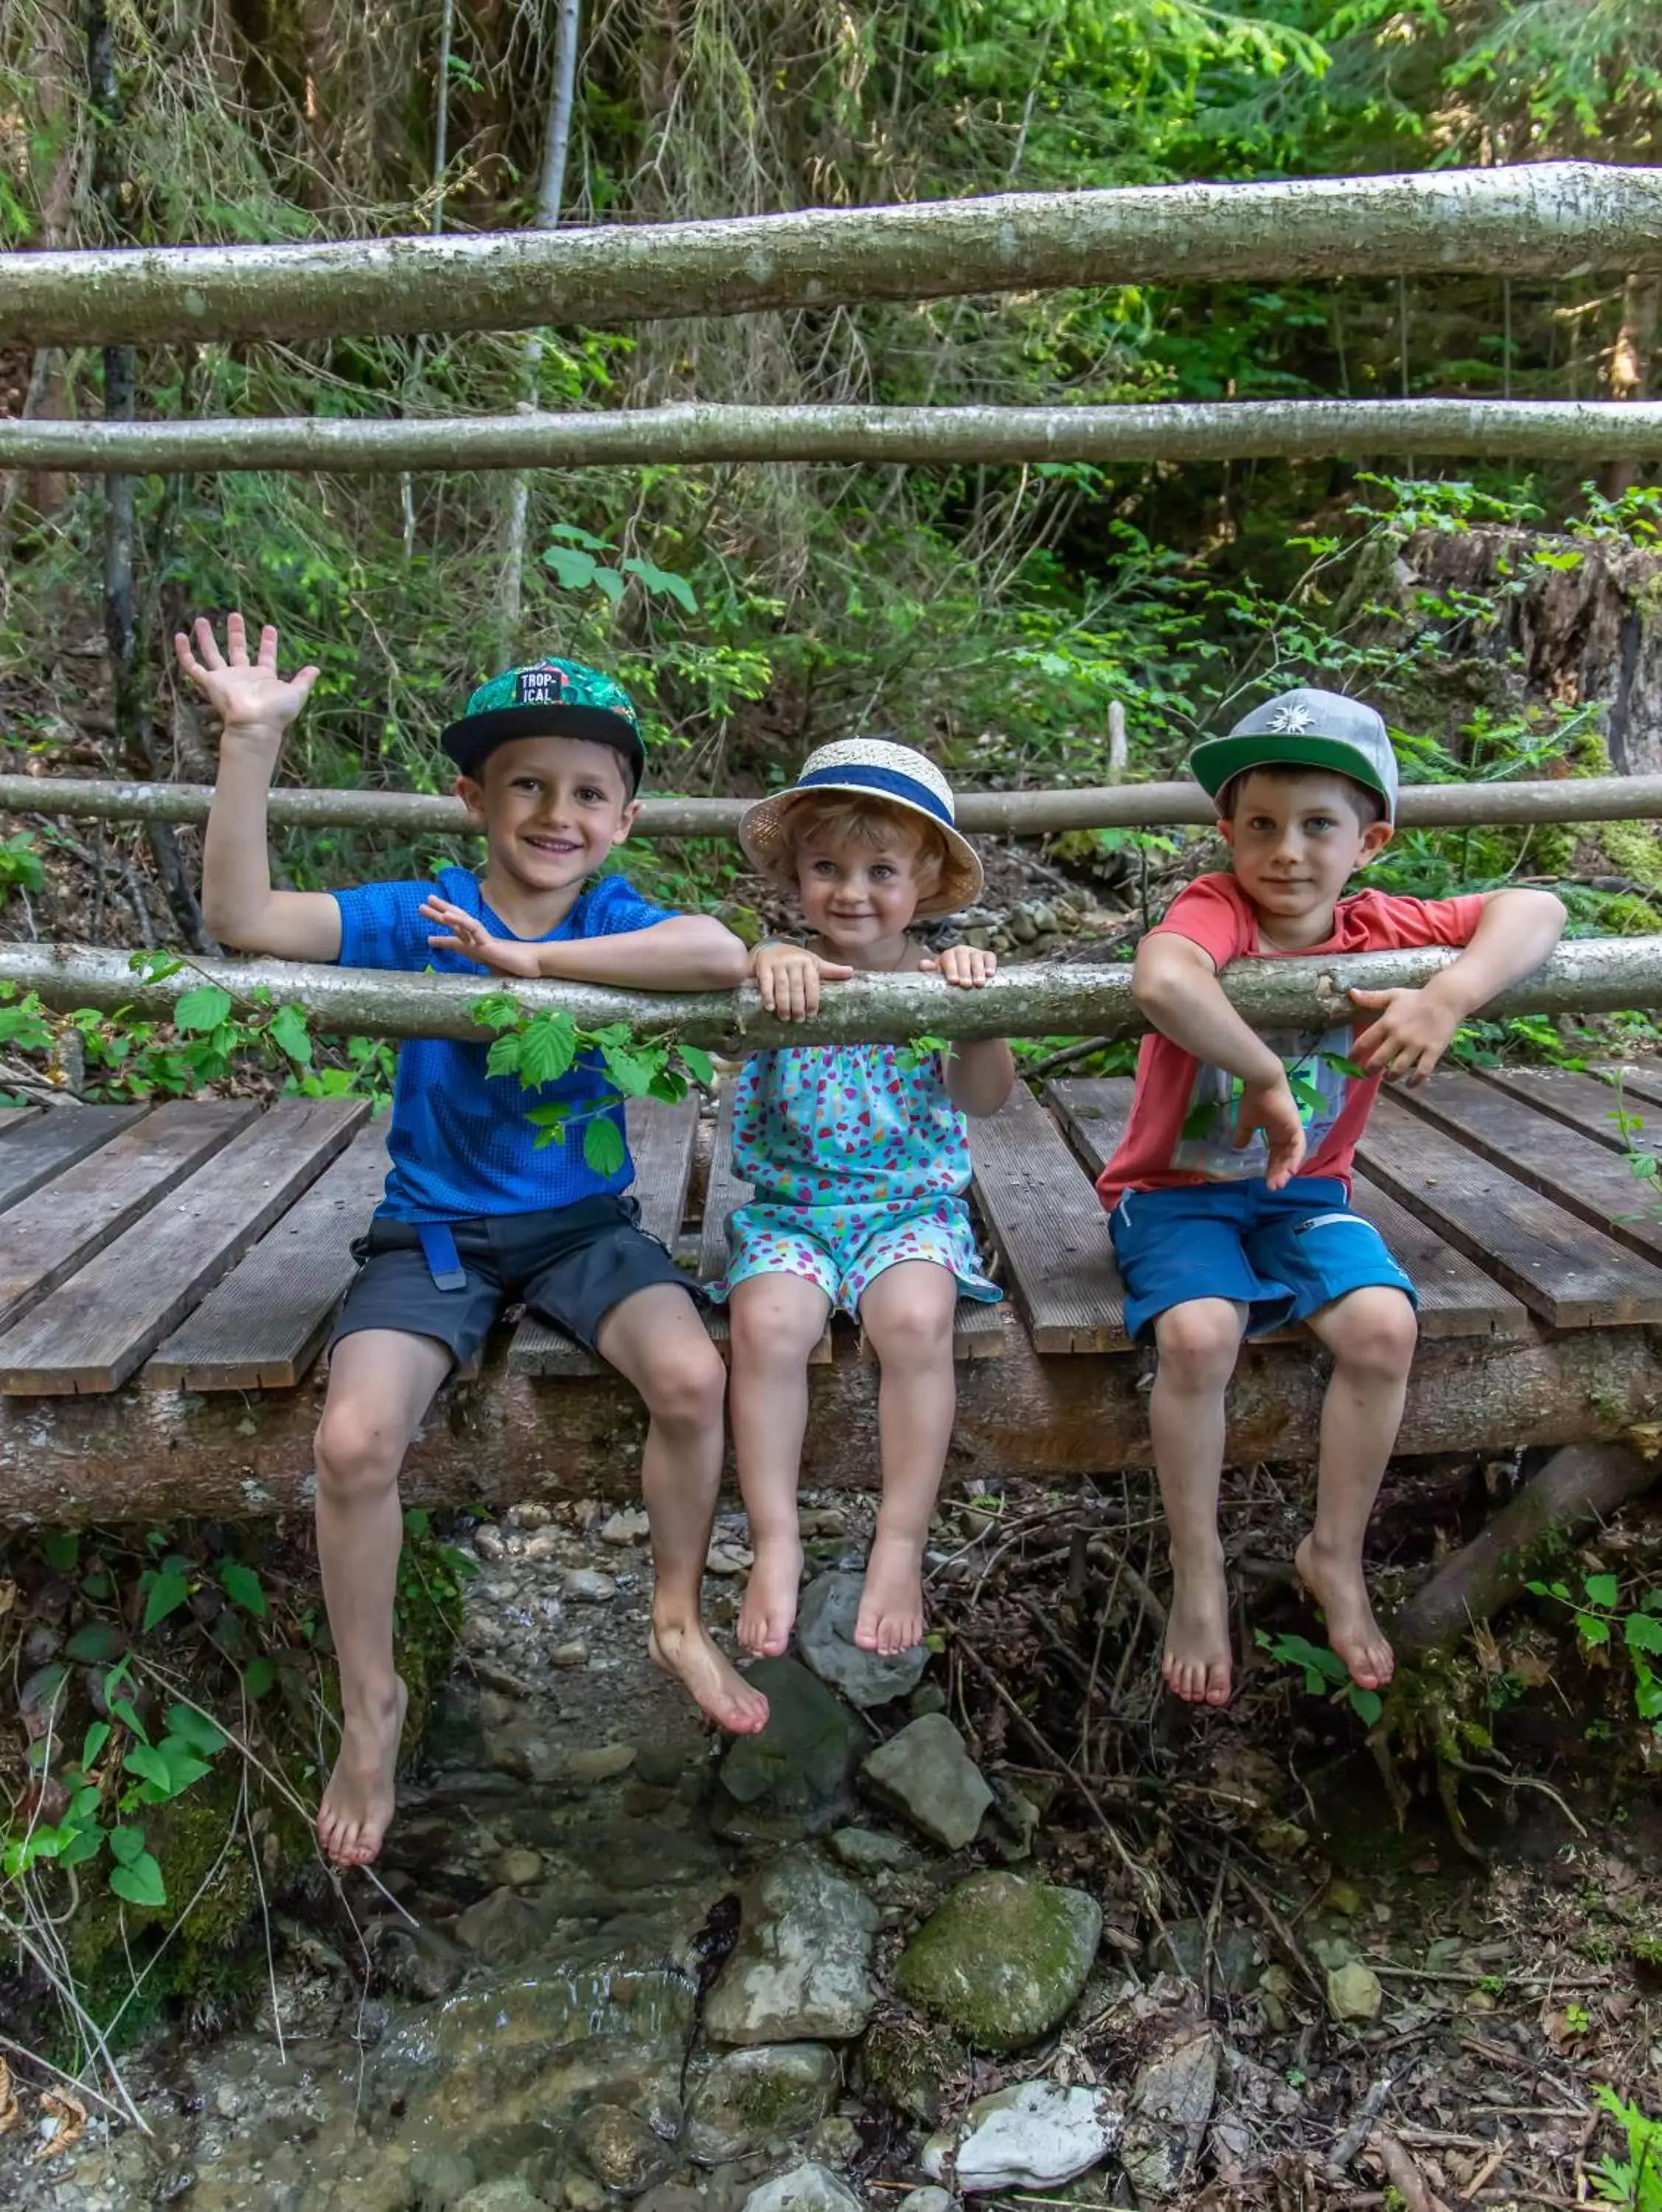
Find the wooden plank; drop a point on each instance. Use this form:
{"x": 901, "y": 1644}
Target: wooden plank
{"x": 47, "y": 1236}
{"x": 1639, "y": 1078}
{"x": 726, "y": 1191}
{"x": 264, "y": 1324}
{"x": 1570, "y": 1273}
{"x": 92, "y": 1330}
{"x": 1049, "y": 1224}
{"x": 1580, "y": 1173}
{"x": 660, "y": 1141}
{"x": 1583, "y": 1102}
{"x": 12, "y": 1116}
{"x": 36, "y": 1150}
{"x": 1457, "y": 1299}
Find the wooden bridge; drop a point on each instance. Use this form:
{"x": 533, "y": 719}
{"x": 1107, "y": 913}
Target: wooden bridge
{"x": 167, "y": 1276}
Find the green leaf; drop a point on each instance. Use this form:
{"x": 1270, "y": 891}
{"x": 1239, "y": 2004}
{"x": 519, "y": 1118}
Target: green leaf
{"x": 184, "y": 1768}
{"x": 1642, "y": 1631}
{"x": 61, "y": 1549}
{"x": 497, "y": 1010}
{"x": 97, "y": 1736}
{"x": 194, "y": 1729}
{"x": 146, "y": 1761}
{"x": 698, "y": 1065}
{"x": 258, "y": 1677}
{"x": 242, "y": 1586}
{"x": 1366, "y": 1705}
{"x": 81, "y": 1847}
{"x": 1595, "y": 1630}
{"x": 572, "y": 567}
{"x": 609, "y": 581}
{"x": 204, "y": 1008}
{"x": 632, "y": 1072}
{"x": 504, "y": 1055}
{"x": 141, "y": 1883}
{"x": 548, "y": 1045}
{"x": 287, "y": 1031}
{"x": 127, "y": 1714}
{"x": 93, "y": 1643}
{"x": 570, "y": 534}
{"x": 126, "y": 1844}
{"x": 663, "y": 580}
{"x": 603, "y": 1146}
{"x": 167, "y": 1590}
{"x": 1602, "y": 1590}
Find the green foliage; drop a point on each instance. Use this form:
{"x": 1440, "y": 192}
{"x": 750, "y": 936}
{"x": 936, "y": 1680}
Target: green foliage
{"x": 1324, "y": 1673}
{"x": 539, "y": 1049}
{"x": 1634, "y": 2181}
{"x": 1605, "y": 1622}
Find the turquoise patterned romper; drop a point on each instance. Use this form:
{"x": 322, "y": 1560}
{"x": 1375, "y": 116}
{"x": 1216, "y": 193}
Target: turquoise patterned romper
{"x": 859, "y": 1160}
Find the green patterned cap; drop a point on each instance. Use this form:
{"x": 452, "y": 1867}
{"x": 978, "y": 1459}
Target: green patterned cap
{"x": 548, "y": 699}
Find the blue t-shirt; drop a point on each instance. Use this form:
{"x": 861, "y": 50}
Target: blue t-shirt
{"x": 460, "y": 1142}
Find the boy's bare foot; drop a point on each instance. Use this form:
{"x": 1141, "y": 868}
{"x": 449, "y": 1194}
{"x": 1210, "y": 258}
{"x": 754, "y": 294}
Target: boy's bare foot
{"x": 684, "y": 1649}
{"x": 1195, "y": 1662}
{"x": 768, "y": 1612}
{"x": 891, "y": 1616}
{"x": 1338, "y": 1587}
{"x": 357, "y": 1806}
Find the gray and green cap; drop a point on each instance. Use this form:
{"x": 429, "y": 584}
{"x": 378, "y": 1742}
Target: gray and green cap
{"x": 548, "y": 699}
{"x": 1304, "y": 729}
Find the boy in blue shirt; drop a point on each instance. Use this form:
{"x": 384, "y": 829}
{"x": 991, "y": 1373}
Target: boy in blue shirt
{"x": 474, "y": 1217}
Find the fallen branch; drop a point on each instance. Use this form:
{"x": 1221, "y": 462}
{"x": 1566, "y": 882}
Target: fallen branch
{"x": 945, "y": 437}
{"x": 1586, "y": 974}
{"x": 1405, "y": 2176}
{"x": 1536, "y": 219}
{"x": 1579, "y": 1487}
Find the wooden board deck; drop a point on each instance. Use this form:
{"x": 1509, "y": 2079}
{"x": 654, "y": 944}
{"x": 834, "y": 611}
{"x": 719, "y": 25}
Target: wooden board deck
{"x": 42, "y": 1144}
{"x": 92, "y": 1330}
{"x": 660, "y": 1141}
{"x": 264, "y": 1324}
{"x": 1569, "y": 1273}
{"x": 1050, "y": 1228}
{"x": 1457, "y": 1299}
{"x": 1586, "y": 1102}
{"x": 45, "y": 1237}
{"x": 1580, "y": 1173}
{"x": 11, "y": 1116}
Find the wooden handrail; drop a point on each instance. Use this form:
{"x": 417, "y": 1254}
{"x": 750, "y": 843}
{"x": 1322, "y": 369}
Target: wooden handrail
{"x": 1538, "y": 219}
{"x": 1589, "y": 975}
{"x": 984, "y": 813}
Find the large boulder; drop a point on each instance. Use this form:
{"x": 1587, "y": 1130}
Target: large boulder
{"x": 1002, "y": 1958}
{"x": 926, "y": 1774}
{"x": 799, "y": 1972}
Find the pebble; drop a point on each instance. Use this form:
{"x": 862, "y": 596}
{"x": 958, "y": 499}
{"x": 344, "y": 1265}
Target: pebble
{"x": 587, "y": 1586}
{"x": 926, "y": 1773}
{"x": 629, "y": 1526}
{"x": 806, "y": 2188}
{"x": 518, "y": 1868}
{"x": 823, "y": 1521}
{"x": 489, "y": 1543}
{"x": 545, "y": 1545}
{"x": 866, "y": 1850}
{"x": 1035, "y": 2135}
{"x": 530, "y": 1516}
{"x": 1354, "y": 1992}
{"x": 728, "y": 1559}
{"x": 600, "y": 1763}
{"x": 570, "y": 1654}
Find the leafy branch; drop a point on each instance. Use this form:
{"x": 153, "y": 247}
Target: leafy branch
{"x": 542, "y": 1048}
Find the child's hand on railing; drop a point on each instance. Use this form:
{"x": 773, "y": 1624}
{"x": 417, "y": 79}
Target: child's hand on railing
{"x": 966, "y": 965}
{"x": 788, "y": 979}
{"x": 465, "y": 934}
{"x": 249, "y": 696}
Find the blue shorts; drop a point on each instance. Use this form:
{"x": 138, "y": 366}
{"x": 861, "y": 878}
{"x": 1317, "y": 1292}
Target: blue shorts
{"x": 1283, "y": 1254}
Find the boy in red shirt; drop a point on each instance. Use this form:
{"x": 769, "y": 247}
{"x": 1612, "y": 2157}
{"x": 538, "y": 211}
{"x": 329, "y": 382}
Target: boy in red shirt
{"x": 1230, "y": 1195}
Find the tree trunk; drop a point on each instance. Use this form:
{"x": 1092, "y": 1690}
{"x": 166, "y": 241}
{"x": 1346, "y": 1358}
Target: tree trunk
{"x": 942, "y": 436}
{"x": 1630, "y": 365}
{"x": 1544, "y": 219}
{"x": 1590, "y": 975}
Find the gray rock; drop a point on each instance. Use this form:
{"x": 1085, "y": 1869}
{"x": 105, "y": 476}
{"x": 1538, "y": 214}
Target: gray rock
{"x": 1032, "y": 2136}
{"x": 836, "y": 2141}
{"x": 1354, "y": 1992}
{"x": 628, "y": 1526}
{"x": 1183, "y": 1949}
{"x": 622, "y": 2151}
{"x": 926, "y": 2200}
{"x": 511, "y": 2195}
{"x": 825, "y": 1636}
{"x": 865, "y": 1850}
{"x": 517, "y": 1869}
{"x": 587, "y": 1586}
{"x": 803, "y": 1761}
{"x": 1171, "y": 2103}
{"x": 753, "y": 2099}
{"x": 600, "y": 1762}
{"x": 1001, "y": 1958}
{"x": 799, "y": 1970}
{"x": 806, "y": 2188}
{"x": 925, "y": 1774}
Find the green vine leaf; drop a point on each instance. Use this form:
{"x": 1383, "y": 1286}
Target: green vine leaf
{"x": 141, "y": 1883}
{"x": 603, "y": 1146}
{"x": 204, "y": 1008}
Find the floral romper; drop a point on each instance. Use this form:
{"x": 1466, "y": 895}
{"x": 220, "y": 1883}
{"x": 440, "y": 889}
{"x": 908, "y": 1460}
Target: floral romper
{"x": 859, "y": 1160}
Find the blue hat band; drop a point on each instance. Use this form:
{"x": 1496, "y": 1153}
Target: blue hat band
{"x": 886, "y": 782}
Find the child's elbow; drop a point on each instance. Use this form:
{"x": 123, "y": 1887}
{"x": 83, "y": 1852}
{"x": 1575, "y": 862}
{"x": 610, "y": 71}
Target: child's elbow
{"x": 729, "y": 961}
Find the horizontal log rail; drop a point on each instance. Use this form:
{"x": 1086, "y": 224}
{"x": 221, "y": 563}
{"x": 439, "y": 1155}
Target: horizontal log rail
{"x": 1589, "y": 975}
{"x": 1538, "y": 220}
{"x": 1553, "y": 430}
{"x": 983, "y": 813}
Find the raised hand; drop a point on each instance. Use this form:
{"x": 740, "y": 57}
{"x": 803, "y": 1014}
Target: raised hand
{"x": 788, "y": 977}
{"x": 965, "y": 965}
{"x": 246, "y": 695}
{"x": 465, "y": 933}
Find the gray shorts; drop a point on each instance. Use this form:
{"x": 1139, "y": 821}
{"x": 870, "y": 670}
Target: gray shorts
{"x": 569, "y": 1265}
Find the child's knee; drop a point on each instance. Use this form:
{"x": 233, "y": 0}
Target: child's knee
{"x": 685, "y": 1384}
{"x": 1374, "y": 1331}
{"x": 769, "y": 1331}
{"x": 354, "y": 1453}
{"x": 911, "y": 1330}
{"x": 1198, "y": 1342}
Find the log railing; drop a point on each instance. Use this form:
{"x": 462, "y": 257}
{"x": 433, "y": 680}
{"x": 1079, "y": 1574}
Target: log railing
{"x": 1587, "y": 975}
{"x": 1542, "y": 219}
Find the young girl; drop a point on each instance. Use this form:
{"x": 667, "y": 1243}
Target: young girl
{"x": 859, "y": 1160}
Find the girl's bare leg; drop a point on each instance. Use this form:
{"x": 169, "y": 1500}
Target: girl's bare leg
{"x": 907, "y": 1312}
{"x": 776, "y": 1321}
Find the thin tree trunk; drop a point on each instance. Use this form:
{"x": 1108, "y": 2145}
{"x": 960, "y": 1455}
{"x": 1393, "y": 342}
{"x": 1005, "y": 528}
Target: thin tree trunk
{"x": 1541, "y": 220}
{"x": 549, "y": 195}
{"x": 1630, "y": 365}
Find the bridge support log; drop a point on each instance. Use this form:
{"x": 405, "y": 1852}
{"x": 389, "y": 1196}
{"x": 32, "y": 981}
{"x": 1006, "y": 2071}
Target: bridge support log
{"x": 157, "y": 1455}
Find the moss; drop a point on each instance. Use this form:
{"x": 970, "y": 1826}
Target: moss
{"x": 1636, "y": 850}
{"x": 1002, "y": 1958}
{"x": 909, "y": 2067}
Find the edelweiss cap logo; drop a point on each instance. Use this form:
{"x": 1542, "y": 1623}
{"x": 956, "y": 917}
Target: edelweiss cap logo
{"x": 1291, "y": 721}
{"x": 543, "y": 687}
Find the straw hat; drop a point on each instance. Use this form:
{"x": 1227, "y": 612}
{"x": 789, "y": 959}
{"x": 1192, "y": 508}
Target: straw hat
{"x": 867, "y": 767}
